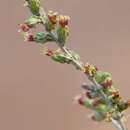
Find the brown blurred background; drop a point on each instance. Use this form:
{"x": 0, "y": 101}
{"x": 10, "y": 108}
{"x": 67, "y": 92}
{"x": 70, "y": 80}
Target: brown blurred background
{"x": 37, "y": 93}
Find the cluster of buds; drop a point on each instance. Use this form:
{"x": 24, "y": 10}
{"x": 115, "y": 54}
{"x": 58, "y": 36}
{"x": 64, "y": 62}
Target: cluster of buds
{"x": 94, "y": 100}
{"x": 57, "y": 56}
{"x": 54, "y": 19}
{"x": 24, "y": 29}
{"x": 101, "y": 96}
{"x": 58, "y": 23}
{"x": 90, "y": 70}
{"x": 52, "y": 22}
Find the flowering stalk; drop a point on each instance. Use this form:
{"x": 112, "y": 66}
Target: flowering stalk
{"x": 100, "y": 96}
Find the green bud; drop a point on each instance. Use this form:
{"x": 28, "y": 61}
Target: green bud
{"x": 43, "y": 38}
{"x": 34, "y": 6}
{"x": 32, "y": 21}
{"x": 101, "y": 77}
{"x": 63, "y": 33}
{"x": 59, "y": 57}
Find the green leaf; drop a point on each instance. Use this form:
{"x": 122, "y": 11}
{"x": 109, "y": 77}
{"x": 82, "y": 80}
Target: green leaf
{"x": 33, "y": 21}
{"x": 34, "y": 6}
{"x": 43, "y": 38}
{"x": 59, "y": 57}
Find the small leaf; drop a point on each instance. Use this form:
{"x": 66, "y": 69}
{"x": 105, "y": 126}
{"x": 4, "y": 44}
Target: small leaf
{"x": 32, "y": 21}
{"x": 60, "y": 57}
{"x": 43, "y": 38}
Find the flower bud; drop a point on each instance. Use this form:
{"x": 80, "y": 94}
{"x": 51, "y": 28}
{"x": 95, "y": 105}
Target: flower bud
{"x": 31, "y": 38}
{"x": 51, "y": 21}
{"x": 87, "y": 69}
{"x": 116, "y": 95}
{"x": 24, "y": 27}
{"x": 63, "y": 20}
{"x": 107, "y": 84}
{"x": 53, "y": 17}
{"x": 49, "y": 53}
{"x": 81, "y": 101}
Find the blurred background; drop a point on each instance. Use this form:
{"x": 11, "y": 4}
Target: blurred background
{"x": 37, "y": 93}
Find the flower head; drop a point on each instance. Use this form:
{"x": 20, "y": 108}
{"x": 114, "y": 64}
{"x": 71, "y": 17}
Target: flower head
{"x": 53, "y": 17}
{"x": 30, "y": 38}
{"x": 107, "y": 84}
{"x": 24, "y": 27}
{"x": 63, "y": 20}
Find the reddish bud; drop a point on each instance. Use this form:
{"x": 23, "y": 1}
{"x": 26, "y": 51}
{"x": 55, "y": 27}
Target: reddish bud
{"x": 31, "y": 38}
{"x": 88, "y": 94}
{"x": 107, "y": 84}
{"x": 25, "y": 27}
{"x": 49, "y": 53}
{"x": 81, "y": 101}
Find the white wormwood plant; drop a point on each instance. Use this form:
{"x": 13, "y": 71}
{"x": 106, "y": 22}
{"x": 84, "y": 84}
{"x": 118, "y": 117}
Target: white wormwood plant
{"x": 100, "y": 96}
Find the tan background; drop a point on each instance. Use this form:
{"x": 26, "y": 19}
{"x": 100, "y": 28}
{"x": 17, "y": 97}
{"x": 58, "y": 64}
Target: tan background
{"x": 37, "y": 93}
